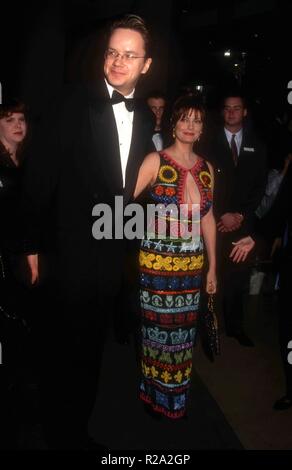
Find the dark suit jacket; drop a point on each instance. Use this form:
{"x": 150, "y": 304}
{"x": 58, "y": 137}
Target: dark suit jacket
{"x": 240, "y": 188}
{"x": 280, "y": 215}
{"x": 74, "y": 165}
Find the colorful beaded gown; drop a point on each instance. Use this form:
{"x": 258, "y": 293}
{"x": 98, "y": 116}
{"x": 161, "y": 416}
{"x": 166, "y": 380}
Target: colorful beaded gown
{"x": 170, "y": 283}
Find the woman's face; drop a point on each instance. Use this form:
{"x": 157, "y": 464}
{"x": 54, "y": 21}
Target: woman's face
{"x": 189, "y": 127}
{"x": 13, "y": 129}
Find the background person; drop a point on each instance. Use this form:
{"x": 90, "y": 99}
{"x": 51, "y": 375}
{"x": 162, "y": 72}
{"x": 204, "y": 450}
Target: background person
{"x": 157, "y": 103}
{"x": 13, "y": 132}
{"x": 239, "y": 160}
{"x": 13, "y": 293}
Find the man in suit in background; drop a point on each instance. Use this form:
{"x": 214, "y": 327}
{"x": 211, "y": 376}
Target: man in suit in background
{"x": 281, "y": 229}
{"x": 88, "y": 151}
{"x": 240, "y": 175}
{"x": 157, "y": 103}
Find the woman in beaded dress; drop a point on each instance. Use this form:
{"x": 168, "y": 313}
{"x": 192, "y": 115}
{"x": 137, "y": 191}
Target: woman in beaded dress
{"x": 171, "y": 266}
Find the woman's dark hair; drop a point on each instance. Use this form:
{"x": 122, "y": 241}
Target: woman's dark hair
{"x": 12, "y": 106}
{"x": 136, "y": 23}
{"x": 183, "y": 105}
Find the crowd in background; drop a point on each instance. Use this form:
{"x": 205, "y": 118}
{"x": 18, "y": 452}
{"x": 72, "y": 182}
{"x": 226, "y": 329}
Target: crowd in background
{"x": 252, "y": 210}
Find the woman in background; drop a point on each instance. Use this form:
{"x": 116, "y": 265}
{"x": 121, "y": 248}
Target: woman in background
{"x": 13, "y": 131}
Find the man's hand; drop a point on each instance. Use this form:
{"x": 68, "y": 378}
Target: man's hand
{"x": 241, "y": 249}
{"x": 33, "y": 263}
{"x": 229, "y": 222}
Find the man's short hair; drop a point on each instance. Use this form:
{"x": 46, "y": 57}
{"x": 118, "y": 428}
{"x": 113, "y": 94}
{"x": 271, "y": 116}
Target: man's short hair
{"x": 234, "y": 94}
{"x": 157, "y": 94}
{"x": 136, "y": 23}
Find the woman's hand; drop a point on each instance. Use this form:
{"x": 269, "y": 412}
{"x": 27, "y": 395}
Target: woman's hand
{"x": 241, "y": 249}
{"x": 33, "y": 263}
{"x": 211, "y": 282}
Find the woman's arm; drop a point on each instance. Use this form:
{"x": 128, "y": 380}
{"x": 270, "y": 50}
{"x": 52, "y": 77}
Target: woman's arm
{"x": 147, "y": 173}
{"x": 208, "y": 226}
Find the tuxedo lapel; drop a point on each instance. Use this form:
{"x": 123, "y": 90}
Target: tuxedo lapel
{"x": 243, "y": 144}
{"x": 136, "y": 155}
{"x": 245, "y": 156}
{"x": 105, "y": 154}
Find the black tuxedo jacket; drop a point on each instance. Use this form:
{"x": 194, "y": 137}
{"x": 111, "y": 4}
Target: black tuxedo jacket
{"x": 238, "y": 188}
{"x": 74, "y": 165}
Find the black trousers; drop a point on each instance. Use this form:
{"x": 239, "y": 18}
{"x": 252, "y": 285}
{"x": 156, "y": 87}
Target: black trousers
{"x": 233, "y": 283}
{"x": 70, "y": 338}
{"x": 285, "y": 320}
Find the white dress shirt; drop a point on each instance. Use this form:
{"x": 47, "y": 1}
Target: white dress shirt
{"x": 157, "y": 141}
{"x": 237, "y": 138}
{"x": 124, "y": 122}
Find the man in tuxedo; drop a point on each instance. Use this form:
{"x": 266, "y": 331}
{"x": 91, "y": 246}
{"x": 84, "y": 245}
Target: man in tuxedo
{"x": 240, "y": 173}
{"x": 88, "y": 151}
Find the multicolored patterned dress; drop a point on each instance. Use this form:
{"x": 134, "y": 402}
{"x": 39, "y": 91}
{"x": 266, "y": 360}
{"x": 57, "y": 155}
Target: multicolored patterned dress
{"x": 170, "y": 282}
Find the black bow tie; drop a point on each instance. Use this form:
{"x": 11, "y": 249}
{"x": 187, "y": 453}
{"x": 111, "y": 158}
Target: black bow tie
{"x": 118, "y": 98}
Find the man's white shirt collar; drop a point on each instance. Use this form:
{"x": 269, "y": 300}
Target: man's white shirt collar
{"x": 111, "y": 89}
{"x": 238, "y": 138}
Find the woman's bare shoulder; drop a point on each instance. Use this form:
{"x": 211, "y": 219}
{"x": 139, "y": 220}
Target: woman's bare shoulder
{"x": 152, "y": 159}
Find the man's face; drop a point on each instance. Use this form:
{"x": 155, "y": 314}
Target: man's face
{"x": 157, "y": 106}
{"x": 123, "y": 72}
{"x": 234, "y": 112}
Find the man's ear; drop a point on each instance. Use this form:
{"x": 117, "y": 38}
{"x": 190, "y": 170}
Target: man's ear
{"x": 146, "y": 65}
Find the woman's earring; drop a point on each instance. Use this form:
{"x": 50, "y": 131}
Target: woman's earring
{"x": 173, "y": 133}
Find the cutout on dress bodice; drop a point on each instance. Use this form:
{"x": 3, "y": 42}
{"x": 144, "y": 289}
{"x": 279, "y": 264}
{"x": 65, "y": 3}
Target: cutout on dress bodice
{"x": 191, "y": 192}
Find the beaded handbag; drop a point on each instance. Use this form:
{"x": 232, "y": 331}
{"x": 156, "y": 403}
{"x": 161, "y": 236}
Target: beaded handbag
{"x": 208, "y": 327}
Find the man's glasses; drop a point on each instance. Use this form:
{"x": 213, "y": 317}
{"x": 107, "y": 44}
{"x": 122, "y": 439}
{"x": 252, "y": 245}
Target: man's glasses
{"x": 126, "y": 57}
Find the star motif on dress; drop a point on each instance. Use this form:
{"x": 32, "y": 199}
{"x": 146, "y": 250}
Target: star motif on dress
{"x": 147, "y": 243}
{"x": 171, "y": 247}
{"x": 183, "y": 248}
{"x": 158, "y": 246}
